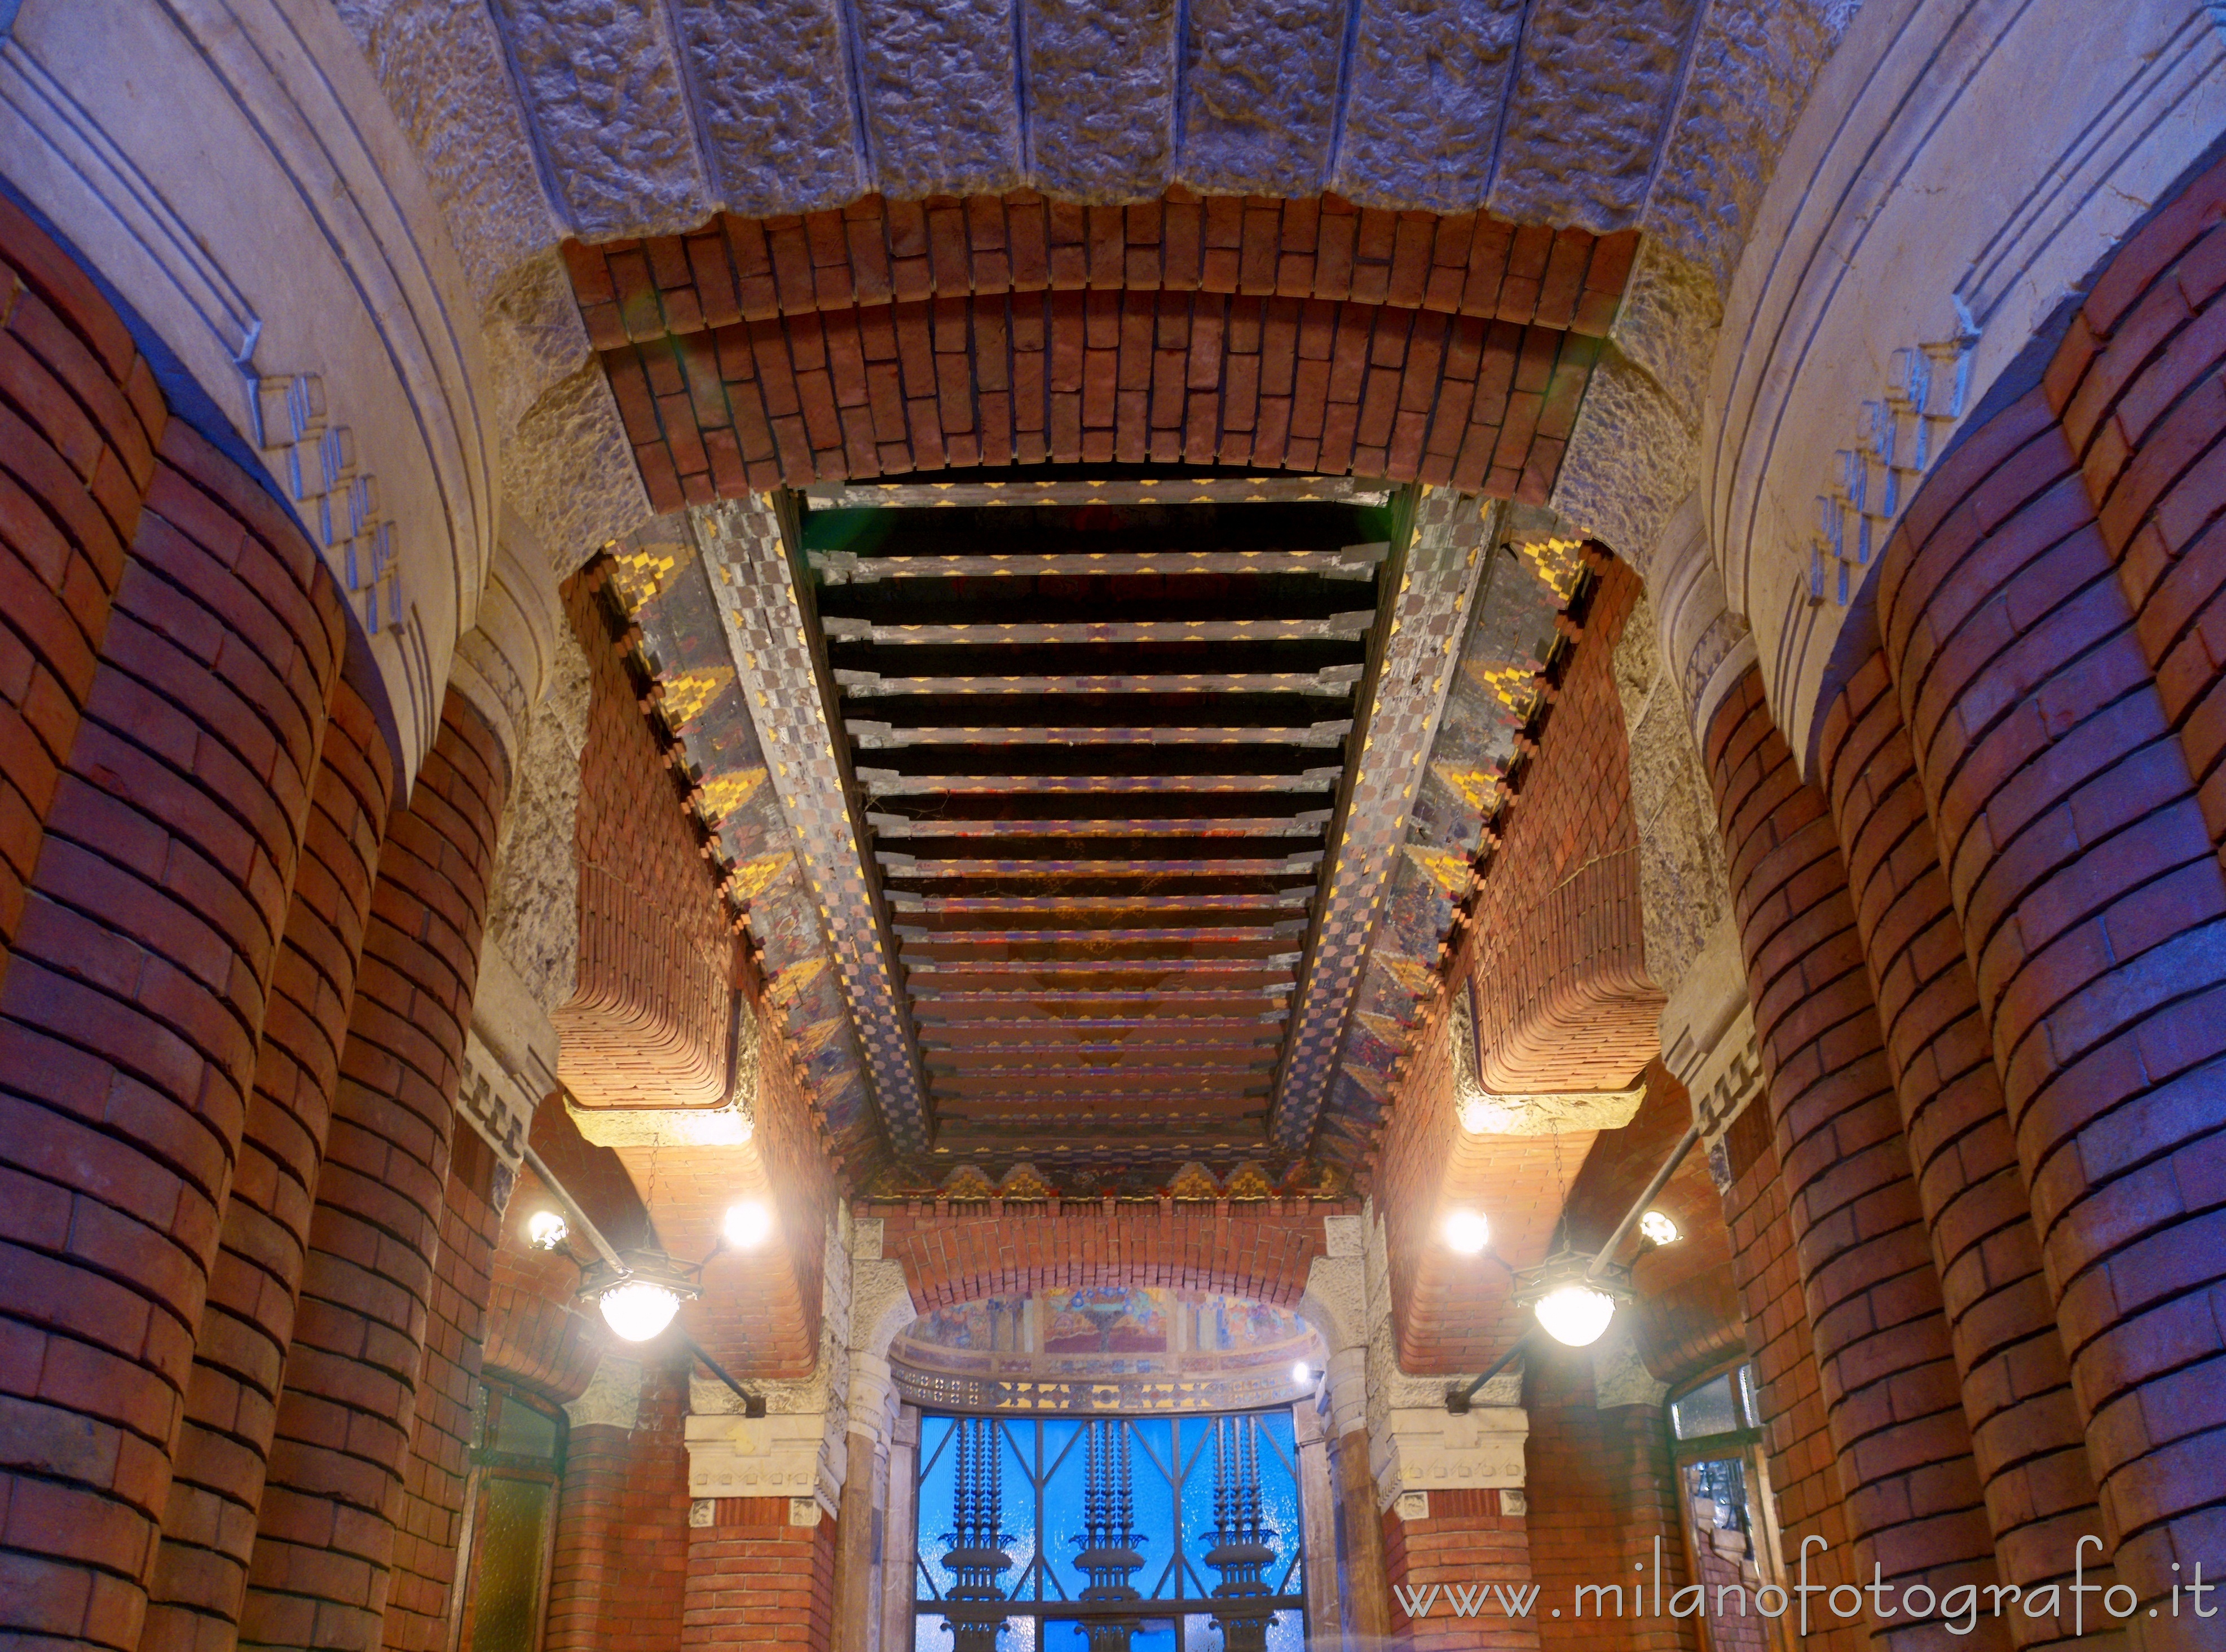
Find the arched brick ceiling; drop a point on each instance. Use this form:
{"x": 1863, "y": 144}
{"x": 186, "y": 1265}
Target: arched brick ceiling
{"x": 894, "y": 337}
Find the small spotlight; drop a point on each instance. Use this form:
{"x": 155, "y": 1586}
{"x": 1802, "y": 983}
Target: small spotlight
{"x": 748, "y": 1225}
{"x": 1302, "y": 1374}
{"x": 1657, "y": 1228}
{"x": 545, "y": 1230}
{"x": 1467, "y": 1232}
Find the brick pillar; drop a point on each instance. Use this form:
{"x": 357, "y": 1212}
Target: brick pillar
{"x": 1467, "y": 1541}
{"x": 1892, "y": 1399}
{"x": 2139, "y": 386}
{"x": 1603, "y": 1496}
{"x": 2026, "y": 1430}
{"x": 201, "y": 1571}
{"x": 618, "y": 1575}
{"x": 587, "y": 1554}
{"x": 129, "y": 1020}
{"x": 2092, "y": 902}
{"x": 1805, "y": 1470}
{"x": 79, "y": 416}
{"x": 755, "y": 1579}
{"x": 325, "y": 1541}
{"x": 431, "y": 1523}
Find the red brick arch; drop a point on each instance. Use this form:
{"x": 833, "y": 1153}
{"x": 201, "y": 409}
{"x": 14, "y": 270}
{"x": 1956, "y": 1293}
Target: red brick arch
{"x": 902, "y": 336}
{"x": 957, "y": 1252}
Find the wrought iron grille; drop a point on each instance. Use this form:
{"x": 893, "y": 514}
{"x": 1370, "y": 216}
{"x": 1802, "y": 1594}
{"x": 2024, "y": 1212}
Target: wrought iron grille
{"x": 1166, "y": 1534}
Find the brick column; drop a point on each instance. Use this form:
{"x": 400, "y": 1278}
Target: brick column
{"x": 1892, "y": 1397}
{"x": 79, "y": 416}
{"x": 201, "y": 1571}
{"x": 1467, "y": 1540}
{"x": 1602, "y": 1494}
{"x": 129, "y": 1020}
{"x": 587, "y": 1554}
{"x": 2091, "y": 899}
{"x": 2026, "y": 1433}
{"x": 2139, "y": 386}
{"x": 431, "y": 1523}
{"x": 618, "y": 1574}
{"x": 1804, "y": 1469}
{"x": 756, "y": 1578}
{"x": 325, "y": 1543}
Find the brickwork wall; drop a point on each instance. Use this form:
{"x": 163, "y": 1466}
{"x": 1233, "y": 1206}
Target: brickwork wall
{"x": 649, "y": 1024}
{"x": 619, "y": 1577}
{"x": 1892, "y": 1400}
{"x": 2027, "y": 1439}
{"x": 208, "y": 1528}
{"x": 2086, "y": 880}
{"x": 372, "y": 1291}
{"x": 1564, "y": 999}
{"x": 130, "y": 1016}
{"x": 79, "y": 419}
{"x": 1805, "y": 1470}
{"x": 1557, "y": 947}
{"x": 1602, "y": 1493}
{"x": 2138, "y": 385}
{"x": 1466, "y": 1542}
{"x": 800, "y": 1180}
{"x": 955, "y": 1253}
{"x": 898, "y": 336}
{"x": 646, "y": 1025}
{"x": 754, "y": 1579}
{"x": 430, "y": 1523}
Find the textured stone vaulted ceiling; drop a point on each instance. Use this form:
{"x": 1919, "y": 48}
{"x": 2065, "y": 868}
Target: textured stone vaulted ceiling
{"x": 648, "y": 118}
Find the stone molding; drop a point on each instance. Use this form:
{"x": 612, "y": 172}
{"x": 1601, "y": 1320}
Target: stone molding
{"x": 1619, "y": 1375}
{"x": 1426, "y": 1448}
{"x": 612, "y": 1398}
{"x": 506, "y": 662}
{"x": 773, "y": 1455}
{"x": 1879, "y": 249}
{"x": 1415, "y": 1445}
{"x": 1709, "y": 1043}
{"x": 316, "y": 301}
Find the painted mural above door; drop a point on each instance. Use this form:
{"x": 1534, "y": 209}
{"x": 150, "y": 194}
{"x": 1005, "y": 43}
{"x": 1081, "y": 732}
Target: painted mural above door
{"x": 1106, "y": 1348}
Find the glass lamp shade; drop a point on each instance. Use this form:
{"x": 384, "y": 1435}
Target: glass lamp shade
{"x": 748, "y": 1224}
{"x": 1467, "y": 1232}
{"x": 638, "y": 1309}
{"x": 1575, "y": 1314}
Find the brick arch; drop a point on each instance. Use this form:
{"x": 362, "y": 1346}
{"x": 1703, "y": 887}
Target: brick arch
{"x": 888, "y": 337}
{"x": 956, "y": 1254}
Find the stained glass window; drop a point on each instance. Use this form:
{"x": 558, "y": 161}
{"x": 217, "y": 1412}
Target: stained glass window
{"x": 1162, "y": 1533}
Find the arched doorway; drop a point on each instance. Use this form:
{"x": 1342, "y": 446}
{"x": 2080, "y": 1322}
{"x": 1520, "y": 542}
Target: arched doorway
{"x": 1132, "y": 1466}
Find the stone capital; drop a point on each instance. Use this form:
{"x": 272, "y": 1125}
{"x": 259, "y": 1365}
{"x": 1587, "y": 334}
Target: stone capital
{"x": 782, "y": 1455}
{"x": 612, "y": 1396}
{"x": 1430, "y": 1449}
